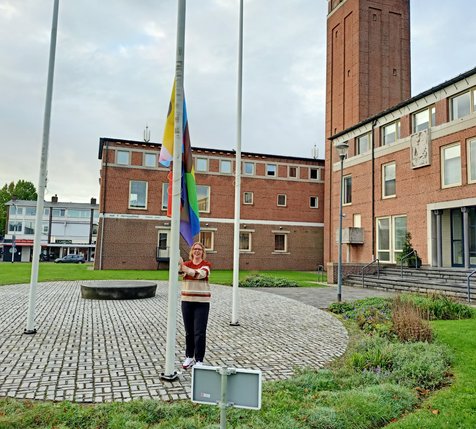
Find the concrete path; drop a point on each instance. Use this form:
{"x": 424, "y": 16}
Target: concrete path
{"x": 98, "y": 351}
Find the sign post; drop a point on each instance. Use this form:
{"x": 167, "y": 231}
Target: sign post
{"x": 226, "y": 387}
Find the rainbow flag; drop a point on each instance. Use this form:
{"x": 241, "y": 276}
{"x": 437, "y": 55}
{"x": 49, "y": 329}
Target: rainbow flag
{"x": 189, "y": 217}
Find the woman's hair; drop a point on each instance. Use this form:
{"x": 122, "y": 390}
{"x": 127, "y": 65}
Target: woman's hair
{"x": 204, "y": 252}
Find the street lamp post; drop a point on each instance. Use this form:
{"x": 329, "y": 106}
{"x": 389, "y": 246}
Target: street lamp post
{"x": 342, "y": 149}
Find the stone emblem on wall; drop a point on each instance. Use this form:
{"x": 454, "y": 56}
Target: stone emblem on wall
{"x": 420, "y": 149}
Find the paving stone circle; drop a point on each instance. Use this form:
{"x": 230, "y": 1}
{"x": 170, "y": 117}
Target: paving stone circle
{"x": 93, "y": 351}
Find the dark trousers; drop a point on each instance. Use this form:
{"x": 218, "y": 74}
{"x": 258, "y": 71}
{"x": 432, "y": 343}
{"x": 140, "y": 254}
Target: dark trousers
{"x": 195, "y": 319}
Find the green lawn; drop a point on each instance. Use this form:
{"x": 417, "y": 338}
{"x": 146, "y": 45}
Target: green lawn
{"x": 455, "y": 406}
{"x": 48, "y": 271}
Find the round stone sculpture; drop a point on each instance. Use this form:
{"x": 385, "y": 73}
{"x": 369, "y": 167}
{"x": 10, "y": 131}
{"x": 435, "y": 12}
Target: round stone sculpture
{"x": 118, "y": 289}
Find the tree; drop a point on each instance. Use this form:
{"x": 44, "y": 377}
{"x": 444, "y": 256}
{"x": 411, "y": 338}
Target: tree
{"x": 409, "y": 253}
{"x": 22, "y": 190}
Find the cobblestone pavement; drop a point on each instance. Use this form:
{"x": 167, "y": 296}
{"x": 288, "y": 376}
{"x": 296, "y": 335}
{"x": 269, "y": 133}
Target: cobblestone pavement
{"x": 100, "y": 351}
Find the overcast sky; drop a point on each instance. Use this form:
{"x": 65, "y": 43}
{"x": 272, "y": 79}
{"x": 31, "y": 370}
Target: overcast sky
{"x": 115, "y": 62}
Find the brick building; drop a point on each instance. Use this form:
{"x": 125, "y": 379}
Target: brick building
{"x": 281, "y": 212}
{"x": 411, "y": 164}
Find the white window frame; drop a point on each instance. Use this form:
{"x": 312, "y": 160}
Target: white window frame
{"x": 250, "y": 238}
{"x": 471, "y": 94}
{"x": 248, "y": 201}
{"x": 428, "y": 114}
{"x": 123, "y": 152}
{"x": 211, "y": 232}
{"x": 206, "y": 209}
{"x": 224, "y": 162}
{"x": 130, "y": 194}
{"x": 15, "y": 226}
{"x": 296, "y": 168}
{"x": 285, "y": 200}
{"x": 272, "y": 170}
{"x": 149, "y": 160}
{"x": 318, "y": 173}
{"x": 285, "y": 235}
{"x": 391, "y": 250}
{"x": 316, "y": 202}
{"x": 386, "y": 179}
{"x": 443, "y": 165}
{"x": 395, "y": 124}
{"x": 165, "y": 196}
{"x": 198, "y": 160}
{"x": 252, "y": 165}
{"x": 346, "y": 197}
{"x": 358, "y": 143}
{"x": 471, "y": 162}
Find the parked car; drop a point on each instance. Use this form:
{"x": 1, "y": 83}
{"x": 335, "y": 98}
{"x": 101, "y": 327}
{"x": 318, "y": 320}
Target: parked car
{"x": 71, "y": 259}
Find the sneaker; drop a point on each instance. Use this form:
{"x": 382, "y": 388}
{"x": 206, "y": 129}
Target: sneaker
{"x": 199, "y": 363}
{"x": 187, "y": 363}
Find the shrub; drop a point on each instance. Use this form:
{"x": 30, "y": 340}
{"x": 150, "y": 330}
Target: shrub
{"x": 258, "y": 280}
{"x": 408, "y": 322}
{"x": 421, "y": 365}
{"x": 439, "y": 307}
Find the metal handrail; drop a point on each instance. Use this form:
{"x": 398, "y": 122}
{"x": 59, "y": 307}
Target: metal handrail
{"x": 405, "y": 257}
{"x": 469, "y": 285}
{"x": 368, "y": 265}
{"x": 320, "y": 273}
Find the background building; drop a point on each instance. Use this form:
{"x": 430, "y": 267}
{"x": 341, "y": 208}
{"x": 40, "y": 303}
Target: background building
{"x": 411, "y": 165}
{"x": 281, "y": 211}
{"x": 67, "y": 228}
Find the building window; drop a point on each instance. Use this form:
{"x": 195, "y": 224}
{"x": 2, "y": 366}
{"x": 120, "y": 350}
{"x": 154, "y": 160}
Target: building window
{"x": 281, "y": 200}
{"x": 150, "y": 160}
{"x": 450, "y": 166}
{"x": 74, "y": 213}
{"x": 30, "y": 211}
{"x": 472, "y": 161}
{"x": 203, "y": 197}
{"x": 207, "y": 238}
{"x": 391, "y": 233}
{"x": 245, "y": 241}
{"x": 46, "y": 212}
{"x": 122, "y": 157}
{"x": 247, "y": 197}
{"x": 165, "y": 196}
{"x": 280, "y": 242}
{"x": 45, "y": 228}
{"x": 225, "y": 166}
{"x": 313, "y": 202}
{"x": 391, "y": 133}
{"x": 423, "y": 119}
{"x": 347, "y": 190}
{"x": 292, "y": 171}
{"x": 201, "y": 165}
{"x": 29, "y": 228}
{"x": 248, "y": 168}
{"x": 362, "y": 144}
{"x": 388, "y": 180}
{"x": 314, "y": 174}
{"x": 463, "y": 104}
{"x": 58, "y": 213}
{"x": 14, "y": 226}
{"x": 271, "y": 169}
{"x": 357, "y": 220}
{"x": 137, "y": 194}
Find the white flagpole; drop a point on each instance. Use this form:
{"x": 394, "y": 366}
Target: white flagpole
{"x": 169, "y": 373}
{"x": 236, "y": 232}
{"x": 30, "y": 326}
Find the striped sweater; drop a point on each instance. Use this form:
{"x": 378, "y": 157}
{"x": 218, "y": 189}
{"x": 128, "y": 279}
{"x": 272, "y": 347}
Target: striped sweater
{"x": 195, "y": 287}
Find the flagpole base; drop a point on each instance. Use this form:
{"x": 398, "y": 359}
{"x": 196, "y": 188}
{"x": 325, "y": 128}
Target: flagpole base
{"x": 29, "y": 331}
{"x": 169, "y": 377}
{"x": 235, "y": 323}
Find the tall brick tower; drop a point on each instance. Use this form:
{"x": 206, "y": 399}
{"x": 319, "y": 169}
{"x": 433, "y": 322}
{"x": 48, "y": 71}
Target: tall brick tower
{"x": 368, "y": 70}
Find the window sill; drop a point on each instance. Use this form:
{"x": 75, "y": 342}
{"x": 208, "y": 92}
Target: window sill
{"x": 278, "y": 252}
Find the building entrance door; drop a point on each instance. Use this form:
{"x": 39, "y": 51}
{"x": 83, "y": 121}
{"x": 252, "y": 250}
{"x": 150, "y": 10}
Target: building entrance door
{"x": 163, "y": 246}
{"x": 472, "y": 236}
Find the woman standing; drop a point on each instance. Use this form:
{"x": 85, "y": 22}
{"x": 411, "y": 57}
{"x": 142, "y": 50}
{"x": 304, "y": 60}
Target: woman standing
{"x": 195, "y": 296}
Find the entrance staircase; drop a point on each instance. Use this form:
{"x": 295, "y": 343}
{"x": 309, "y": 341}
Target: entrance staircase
{"x": 447, "y": 281}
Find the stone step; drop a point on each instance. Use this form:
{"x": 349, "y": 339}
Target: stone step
{"x": 458, "y": 290}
